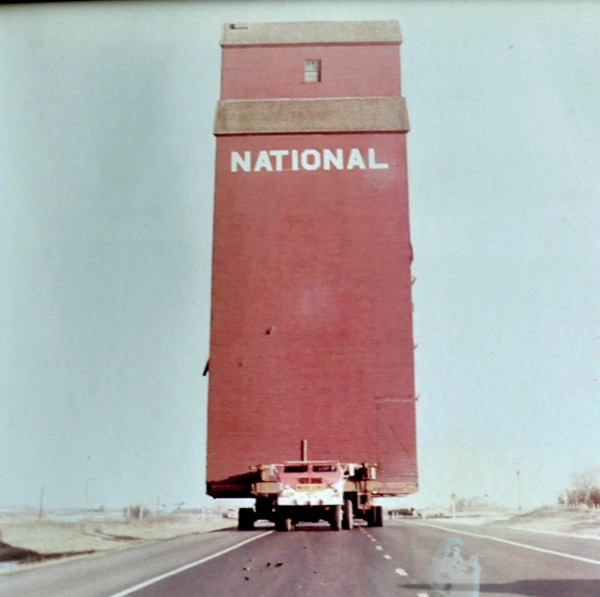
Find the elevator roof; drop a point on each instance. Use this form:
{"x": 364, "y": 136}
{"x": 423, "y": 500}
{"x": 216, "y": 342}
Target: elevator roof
{"x": 315, "y": 32}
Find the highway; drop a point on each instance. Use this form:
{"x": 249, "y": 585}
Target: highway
{"x": 403, "y": 558}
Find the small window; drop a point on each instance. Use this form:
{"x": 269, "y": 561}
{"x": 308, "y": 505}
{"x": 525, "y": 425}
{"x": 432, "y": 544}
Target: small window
{"x": 312, "y": 71}
{"x": 295, "y": 468}
{"x": 324, "y": 468}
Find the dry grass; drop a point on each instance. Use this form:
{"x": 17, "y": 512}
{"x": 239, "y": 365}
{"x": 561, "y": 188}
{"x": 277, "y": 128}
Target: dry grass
{"x": 50, "y": 537}
{"x": 560, "y": 519}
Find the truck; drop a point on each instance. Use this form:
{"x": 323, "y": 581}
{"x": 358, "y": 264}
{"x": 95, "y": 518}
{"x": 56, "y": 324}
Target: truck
{"x": 312, "y": 491}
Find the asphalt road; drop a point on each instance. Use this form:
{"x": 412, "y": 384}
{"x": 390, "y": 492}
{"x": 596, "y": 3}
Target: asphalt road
{"x": 404, "y": 558}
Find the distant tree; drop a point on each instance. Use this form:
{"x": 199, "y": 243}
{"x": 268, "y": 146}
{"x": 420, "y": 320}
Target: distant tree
{"x": 584, "y": 489}
{"x": 137, "y": 512}
{"x": 595, "y": 496}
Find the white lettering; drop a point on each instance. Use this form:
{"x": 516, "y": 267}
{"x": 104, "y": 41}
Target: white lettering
{"x": 278, "y": 155}
{"x": 304, "y": 159}
{"x": 263, "y": 161}
{"x": 329, "y": 158}
{"x": 373, "y": 165}
{"x": 308, "y": 159}
{"x": 355, "y": 160}
{"x": 238, "y": 160}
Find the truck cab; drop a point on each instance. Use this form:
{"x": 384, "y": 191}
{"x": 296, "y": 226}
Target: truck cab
{"x": 318, "y": 483}
{"x": 310, "y": 491}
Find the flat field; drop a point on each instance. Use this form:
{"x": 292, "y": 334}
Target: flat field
{"x": 576, "y": 520}
{"x": 26, "y": 538}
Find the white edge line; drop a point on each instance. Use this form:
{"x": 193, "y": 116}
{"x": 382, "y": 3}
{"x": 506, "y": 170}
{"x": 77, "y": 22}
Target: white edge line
{"x": 540, "y": 549}
{"x": 557, "y": 533}
{"x": 156, "y": 579}
{"x": 422, "y": 594}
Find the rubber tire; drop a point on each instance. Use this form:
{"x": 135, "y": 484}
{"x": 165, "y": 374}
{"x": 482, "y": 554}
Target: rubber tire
{"x": 369, "y": 517}
{"x": 377, "y": 516}
{"x": 284, "y": 523}
{"x": 374, "y": 516}
{"x": 348, "y": 522}
{"x": 336, "y": 519}
{"x": 246, "y": 519}
{"x": 280, "y": 525}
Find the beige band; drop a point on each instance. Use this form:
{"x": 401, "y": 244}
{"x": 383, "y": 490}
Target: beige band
{"x": 330, "y": 115}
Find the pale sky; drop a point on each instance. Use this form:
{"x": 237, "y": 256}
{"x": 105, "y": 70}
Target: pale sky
{"x": 106, "y": 189}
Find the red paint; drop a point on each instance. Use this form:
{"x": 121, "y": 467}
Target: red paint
{"x": 266, "y": 72}
{"x": 311, "y": 329}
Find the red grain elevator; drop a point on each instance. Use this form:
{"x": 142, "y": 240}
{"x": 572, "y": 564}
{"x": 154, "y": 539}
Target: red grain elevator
{"x": 311, "y": 323}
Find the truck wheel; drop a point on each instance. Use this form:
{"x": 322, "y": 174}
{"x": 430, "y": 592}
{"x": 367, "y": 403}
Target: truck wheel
{"x": 336, "y": 520}
{"x": 348, "y": 522}
{"x": 369, "y": 517}
{"x": 246, "y": 519}
{"x": 377, "y": 516}
{"x": 284, "y": 524}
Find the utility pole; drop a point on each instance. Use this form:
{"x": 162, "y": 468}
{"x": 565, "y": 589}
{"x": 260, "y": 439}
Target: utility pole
{"x": 87, "y": 494}
{"x": 41, "y": 513}
{"x": 518, "y": 464}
